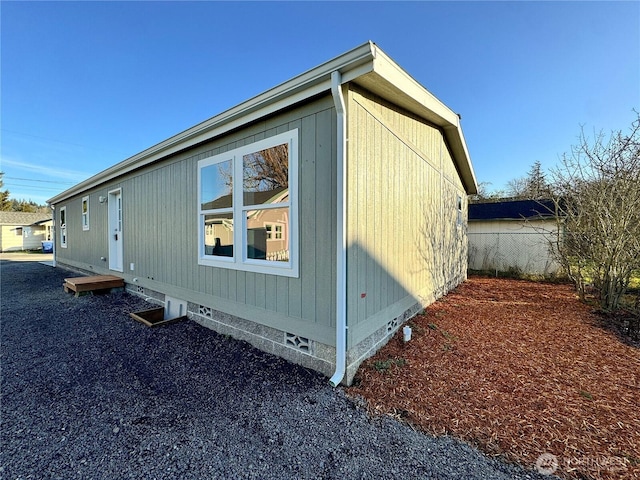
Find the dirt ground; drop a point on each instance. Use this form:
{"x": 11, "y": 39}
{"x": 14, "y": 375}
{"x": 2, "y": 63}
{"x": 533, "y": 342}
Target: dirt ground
{"x": 520, "y": 369}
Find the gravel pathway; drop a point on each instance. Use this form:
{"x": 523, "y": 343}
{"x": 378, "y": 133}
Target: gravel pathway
{"x": 88, "y": 393}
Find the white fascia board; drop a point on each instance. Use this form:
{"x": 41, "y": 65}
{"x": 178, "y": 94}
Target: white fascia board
{"x": 394, "y": 74}
{"x": 460, "y": 153}
{"x": 351, "y": 64}
{"x": 390, "y": 81}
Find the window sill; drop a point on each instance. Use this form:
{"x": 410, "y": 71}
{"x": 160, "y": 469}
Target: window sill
{"x": 286, "y": 269}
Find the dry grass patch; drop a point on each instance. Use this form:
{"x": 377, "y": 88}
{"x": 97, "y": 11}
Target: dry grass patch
{"x": 519, "y": 369}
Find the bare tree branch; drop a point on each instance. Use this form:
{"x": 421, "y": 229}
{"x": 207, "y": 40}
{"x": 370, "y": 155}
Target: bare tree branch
{"x": 597, "y": 195}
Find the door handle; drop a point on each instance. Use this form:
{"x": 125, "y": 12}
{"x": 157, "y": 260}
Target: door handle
{"x": 116, "y": 236}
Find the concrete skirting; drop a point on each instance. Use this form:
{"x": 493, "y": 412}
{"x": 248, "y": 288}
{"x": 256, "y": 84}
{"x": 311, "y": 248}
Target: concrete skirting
{"x": 306, "y": 352}
{"x": 303, "y": 351}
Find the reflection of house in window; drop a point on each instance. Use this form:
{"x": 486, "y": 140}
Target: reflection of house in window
{"x": 267, "y": 228}
{"x": 63, "y": 227}
{"x": 274, "y": 232}
{"x": 85, "y": 213}
{"x": 218, "y": 235}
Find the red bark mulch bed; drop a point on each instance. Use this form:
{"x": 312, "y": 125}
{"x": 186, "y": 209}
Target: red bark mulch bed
{"x": 518, "y": 369}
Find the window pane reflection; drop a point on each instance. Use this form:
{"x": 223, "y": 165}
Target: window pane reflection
{"x": 268, "y": 234}
{"x": 216, "y": 185}
{"x": 265, "y": 175}
{"x": 218, "y": 234}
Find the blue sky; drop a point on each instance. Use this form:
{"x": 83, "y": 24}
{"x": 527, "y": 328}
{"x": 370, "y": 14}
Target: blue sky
{"x": 88, "y": 84}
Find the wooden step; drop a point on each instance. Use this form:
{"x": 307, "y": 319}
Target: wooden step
{"x": 90, "y": 284}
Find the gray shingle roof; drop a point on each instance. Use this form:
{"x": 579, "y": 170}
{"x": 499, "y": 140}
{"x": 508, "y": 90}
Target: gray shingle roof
{"x": 22, "y": 218}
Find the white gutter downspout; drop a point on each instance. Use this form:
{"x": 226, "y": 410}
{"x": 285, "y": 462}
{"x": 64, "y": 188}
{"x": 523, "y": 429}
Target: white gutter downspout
{"x": 54, "y": 230}
{"x": 341, "y": 237}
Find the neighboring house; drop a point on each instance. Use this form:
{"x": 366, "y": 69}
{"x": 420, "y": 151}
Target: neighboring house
{"x": 24, "y": 231}
{"x": 311, "y": 220}
{"x": 513, "y": 235}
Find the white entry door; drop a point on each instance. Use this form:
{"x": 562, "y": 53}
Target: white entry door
{"x": 115, "y": 230}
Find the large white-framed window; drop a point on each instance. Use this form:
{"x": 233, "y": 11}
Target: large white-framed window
{"x": 63, "y": 227}
{"x": 85, "y": 213}
{"x": 248, "y": 207}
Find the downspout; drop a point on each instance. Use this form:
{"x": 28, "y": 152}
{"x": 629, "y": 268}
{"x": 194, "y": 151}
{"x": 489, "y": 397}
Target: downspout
{"x": 341, "y": 230}
{"x": 54, "y": 230}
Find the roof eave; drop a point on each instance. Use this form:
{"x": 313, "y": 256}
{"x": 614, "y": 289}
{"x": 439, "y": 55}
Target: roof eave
{"x": 366, "y": 65}
{"x": 351, "y": 64}
{"x": 391, "y": 82}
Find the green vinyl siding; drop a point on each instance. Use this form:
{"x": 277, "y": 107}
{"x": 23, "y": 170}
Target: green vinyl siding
{"x": 160, "y": 229}
{"x": 85, "y": 246}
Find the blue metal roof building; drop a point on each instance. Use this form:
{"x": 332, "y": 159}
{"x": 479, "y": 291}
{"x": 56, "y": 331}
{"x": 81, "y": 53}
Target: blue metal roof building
{"x": 511, "y": 210}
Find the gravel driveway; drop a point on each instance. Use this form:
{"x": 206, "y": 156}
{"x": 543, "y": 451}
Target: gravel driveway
{"x": 88, "y": 393}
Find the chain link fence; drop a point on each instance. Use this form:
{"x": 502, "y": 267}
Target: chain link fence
{"x": 526, "y": 253}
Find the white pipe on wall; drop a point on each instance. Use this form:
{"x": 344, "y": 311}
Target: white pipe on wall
{"x": 54, "y": 232}
{"x": 341, "y": 238}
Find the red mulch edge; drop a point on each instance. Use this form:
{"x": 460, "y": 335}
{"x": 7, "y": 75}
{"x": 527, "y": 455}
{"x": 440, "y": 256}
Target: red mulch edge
{"x": 518, "y": 369}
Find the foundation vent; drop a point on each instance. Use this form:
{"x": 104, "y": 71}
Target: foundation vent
{"x": 297, "y": 342}
{"x": 204, "y": 311}
{"x": 392, "y": 325}
{"x": 140, "y": 289}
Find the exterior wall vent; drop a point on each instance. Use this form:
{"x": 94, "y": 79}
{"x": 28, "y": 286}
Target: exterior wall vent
{"x": 392, "y": 325}
{"x": 297, "y": 342}
{"x": 205, "y": 311}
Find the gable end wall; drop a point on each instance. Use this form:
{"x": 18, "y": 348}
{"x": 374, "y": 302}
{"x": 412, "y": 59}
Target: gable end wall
{"x": 405, "y": 247}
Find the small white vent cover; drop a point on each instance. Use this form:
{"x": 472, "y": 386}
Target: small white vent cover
{"x": 174, "y": 308}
